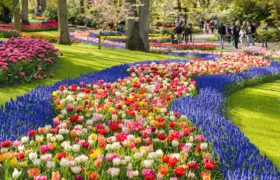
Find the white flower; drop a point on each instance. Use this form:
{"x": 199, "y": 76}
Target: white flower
{"x": 136, "y": 173}
{"x": 175, "y": 143}
{"x": 159, "y": 153}
{"x": 64, "y": 162}
{"x": 116, "y": 161}
{"x": 37, "y": 162}
{"x": 32, "y": 156}
{"x": 137, "y": 156}
{"x": 53, "y": 139}
{"x": 148, "y": 163}
{"x": 84, "y": 158}
{"x": 203, "y": 146}
{"x": 46, "y": 157}
{"x": 115, "y": 171}
{"x": 127, "y": 158}
{"x": 153, "y": 155}
{"x": 16, "y": 174}
{"x": 50, "y": 165}
{"x": 24, "y": 139}
{"x": 21, "y": 148}
{"x": 76, "y": 169}
{"x": 191, "y": 139}
{"x": 64, "y": 111}
{"x": 129, "y": 166}
{"x": 116, "y": 146}
{"x": 76, "y": 147}
{"x": 63, "y": 131}
{"x": 59, "y": 137}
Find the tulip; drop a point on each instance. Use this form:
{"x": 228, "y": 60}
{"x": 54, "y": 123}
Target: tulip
{"x": 16, "y": 173}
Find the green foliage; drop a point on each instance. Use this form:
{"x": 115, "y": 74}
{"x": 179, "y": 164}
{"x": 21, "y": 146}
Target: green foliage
{"x": 7, "y": 33}
{"x": 51, "y": 12}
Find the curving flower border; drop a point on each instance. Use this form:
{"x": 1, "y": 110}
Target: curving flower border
{"x": 240, "y": 160}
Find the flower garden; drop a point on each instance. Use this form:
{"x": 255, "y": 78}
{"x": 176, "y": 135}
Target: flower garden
{"x": 130, "y": 121}
{"x": 70, "y": 109}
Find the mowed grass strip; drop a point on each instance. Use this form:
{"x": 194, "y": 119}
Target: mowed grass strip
{"x": 256, "y": 111}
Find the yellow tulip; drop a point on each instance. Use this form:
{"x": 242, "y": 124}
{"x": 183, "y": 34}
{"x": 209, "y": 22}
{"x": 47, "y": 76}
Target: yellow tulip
{"x": 23, "y": 164}
{"x": 13, "y": 162}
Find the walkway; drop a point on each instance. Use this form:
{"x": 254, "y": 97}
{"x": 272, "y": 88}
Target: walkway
{"x": 202, "y": 39}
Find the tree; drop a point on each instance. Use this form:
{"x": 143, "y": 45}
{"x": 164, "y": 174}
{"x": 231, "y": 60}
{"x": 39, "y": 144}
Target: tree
{"x": 138, "y": 30}
{"x": 24, "y": 12}
{"x": 63, "y": 23}
{"x": 16, "y": 10}
{"x": 82, "y": 6}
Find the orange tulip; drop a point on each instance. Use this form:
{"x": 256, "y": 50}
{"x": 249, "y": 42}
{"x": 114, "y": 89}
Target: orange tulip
{"x": 205, "y": 176}
{"x": 163, "y": 170}
{"x": 55, "y": 175}
{"x": 93, "y": 176}
{"x": 33, "y": 172}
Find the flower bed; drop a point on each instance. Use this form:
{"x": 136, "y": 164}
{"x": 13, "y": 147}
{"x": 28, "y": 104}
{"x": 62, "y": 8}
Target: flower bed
{"x": 49, "y": 26}
{"x": 95, "y": 114}
{"x": 52, "y": 39}
{"x": 25, "y": 59}
{"x": 259, "y": 51}
{"x": 204, "y": 47}
{"x": 8, "y": 33}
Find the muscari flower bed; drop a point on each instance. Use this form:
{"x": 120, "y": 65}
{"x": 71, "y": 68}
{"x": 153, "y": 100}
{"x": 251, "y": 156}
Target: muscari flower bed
{"x": 224, "y": 143}
{"x": 25, "y": 59}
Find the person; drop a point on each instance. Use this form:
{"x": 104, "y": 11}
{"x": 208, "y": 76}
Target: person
{"x": 216, "y": 22}
{"x": 201, "y": 24}
{"x": 188, "y": 33}
{"x": 177, "y": 22}
{"x": 242, "y": 36}
{"x": 249, "y": 33}
{"x": 121, "y": 26}
{"x": 211, "y": 25}
{"x": 179, "y": 31}
{"x": 36, "y": 11}
{"x": 222, "y": 32}
{"x": 264, "y": 40}
{"x": 205, "y": 27}
{"x": 228, "y": 32}
{"x": 6, "y": 15}
{"x": 236, "y": 31}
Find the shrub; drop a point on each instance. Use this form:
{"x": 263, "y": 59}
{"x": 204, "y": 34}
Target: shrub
{"x": 25, "y": 59}
{"x": 8, "y": 33}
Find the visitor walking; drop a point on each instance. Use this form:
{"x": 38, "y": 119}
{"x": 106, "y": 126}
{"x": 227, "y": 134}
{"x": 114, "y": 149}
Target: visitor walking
{"x": 249, "y": 33}
{"x": 179, "y": 31}
{"x": 264, "y": 39}
{"x": 206, "y": 27}
{"x": 228, "y": 32}
{"x": 188, "y": 33}
{"x": 236, "y": 31}
{"x": 211, "y": 25}
{"x": 222, "y": 32}
{"x": 201, "y": 25}
{"x": 242, "y": 36}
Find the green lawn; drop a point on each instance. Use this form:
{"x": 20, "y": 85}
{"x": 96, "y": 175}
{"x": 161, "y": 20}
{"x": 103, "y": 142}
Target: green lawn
{"x": 80, "y": 59}
{"x": 256, "y": 111}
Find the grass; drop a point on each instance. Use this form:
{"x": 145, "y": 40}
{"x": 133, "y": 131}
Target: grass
{"x": 256, "y": 112}
{"x": 80, "y": 59}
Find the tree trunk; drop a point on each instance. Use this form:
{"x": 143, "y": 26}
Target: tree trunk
{"x": 43, "y": 5}
{"x": 38, "y": 3}
{"x": 277, "y": 9}
{"x": 133, "y": 35}
{"x": 145, "y": 24}
{"x": 63, "y": 23}
{"x": 179, "y": 5}
{"x": 82, "y": 6}
{"x": 24, "y": 12}
{"x": 17, "y": 15}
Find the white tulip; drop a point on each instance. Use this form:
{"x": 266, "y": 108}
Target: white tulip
{"x": 32, "y": 156}
{"x": 175, "y": 143}
{"x": 115, "y": 171}
{"x": 16, "y": 173}
{"x": 148, "y": 163}
{"x": 37, "y": 162}
{"x": 76, "y": 169}
{"x": 203, "y": 146}
{"x": 50, "y": 165}
{"x": 64, "y": 162}
{"x": 116, "y": 161}
{"x": 76, "y": 147}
